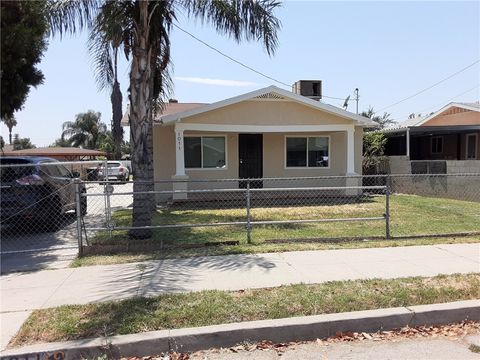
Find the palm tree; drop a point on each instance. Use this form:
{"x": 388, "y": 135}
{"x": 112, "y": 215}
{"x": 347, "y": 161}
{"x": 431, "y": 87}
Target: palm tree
{"x": 86, "y": 131}
{"x": 145, "y": 38}
{"x": 10, "y": 122}
{"x": 383, "y": 121}
{"x": 104, "y": 43}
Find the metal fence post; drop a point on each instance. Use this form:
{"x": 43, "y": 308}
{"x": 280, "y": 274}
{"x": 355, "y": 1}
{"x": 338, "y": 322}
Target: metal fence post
{"x": 249, "y": 225}
{"x": 387, "y": 209}
{"x": 105, "y": 179}
{"x": 78, "y": 201}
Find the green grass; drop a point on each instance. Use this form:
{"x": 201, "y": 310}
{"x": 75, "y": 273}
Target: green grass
{"x": 218, "y": 307}
{"x": 410, "y": 215}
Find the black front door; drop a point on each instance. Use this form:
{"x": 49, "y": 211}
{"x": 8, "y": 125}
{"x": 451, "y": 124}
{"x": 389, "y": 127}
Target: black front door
{"x": 250, "y": 159}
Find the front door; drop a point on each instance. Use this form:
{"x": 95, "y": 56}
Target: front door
{"x": 250, "y": 159}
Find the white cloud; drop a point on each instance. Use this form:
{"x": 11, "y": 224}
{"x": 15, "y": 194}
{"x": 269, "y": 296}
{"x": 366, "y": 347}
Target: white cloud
{"x": 218, "y": 82}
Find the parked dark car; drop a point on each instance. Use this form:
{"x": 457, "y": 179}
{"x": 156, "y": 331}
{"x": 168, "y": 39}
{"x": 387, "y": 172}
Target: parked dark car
{"x": 40, "y": 192}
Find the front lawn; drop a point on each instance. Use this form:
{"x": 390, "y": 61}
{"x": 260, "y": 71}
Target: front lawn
{"x": 218, "y": 307}
{"x": 410, "y": 215}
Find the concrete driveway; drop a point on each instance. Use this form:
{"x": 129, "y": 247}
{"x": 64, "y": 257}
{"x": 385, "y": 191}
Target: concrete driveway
{"x": 26, "y": 248}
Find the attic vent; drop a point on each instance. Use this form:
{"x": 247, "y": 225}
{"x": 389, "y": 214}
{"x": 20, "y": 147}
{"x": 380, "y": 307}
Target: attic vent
{"x": 271, "y": 96}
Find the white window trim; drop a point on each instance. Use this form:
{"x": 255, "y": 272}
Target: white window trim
{"x": 431, "y": 145}
{"x": 476, "y": 147}
{"x": 201, "y": 151}
{"x": 306, "y": 167}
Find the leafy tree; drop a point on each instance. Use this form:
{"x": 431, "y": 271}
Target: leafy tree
{"x": 22, "y": 143}
{"x": 382, "y": 120}
{"x": 145, "y": 35}
{"x": 23, "y": 41}
{"x": 106, "y": 143}
{"x": 2, "y": 143}
{"x": 126, "y": 148}
{"x": 374, "y": 143}
{"x": 10, "y": 122}
{"x": 86, "y": 131}
{"x": 61, "y": 143}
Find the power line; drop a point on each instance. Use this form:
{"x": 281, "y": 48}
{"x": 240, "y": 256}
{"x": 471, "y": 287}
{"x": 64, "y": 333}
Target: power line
{"x": 446, "y": 101}
{"x": 242, "y": 64}
{"x": 431, "y": 86}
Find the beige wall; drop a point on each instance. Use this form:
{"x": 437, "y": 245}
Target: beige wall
{"x": 273, "y": 155}
{"x": 267, "y": 113}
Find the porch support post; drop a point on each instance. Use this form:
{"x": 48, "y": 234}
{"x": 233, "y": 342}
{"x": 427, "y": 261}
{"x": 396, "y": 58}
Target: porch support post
{"x": 179, "y": 179}
{"x": 352, "y": 177}
{"x": 407, "y": 135}
{"x": 351, "y": 150}
{"x": 179, "y": 153}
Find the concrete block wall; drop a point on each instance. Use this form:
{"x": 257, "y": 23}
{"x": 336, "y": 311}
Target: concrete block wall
{"x": 399, "y": 165}
{"x": 402, "y": 165}
{"x": 463, "y": 166}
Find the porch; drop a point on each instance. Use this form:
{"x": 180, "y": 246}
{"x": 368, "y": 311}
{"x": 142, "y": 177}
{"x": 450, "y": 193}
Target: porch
{"x": 226, "y": 151}
{"x": 434, "y": 142}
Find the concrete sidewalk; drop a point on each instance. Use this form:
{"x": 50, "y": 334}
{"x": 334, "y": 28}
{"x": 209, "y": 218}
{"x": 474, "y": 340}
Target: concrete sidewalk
{"x": 25, "y": 292}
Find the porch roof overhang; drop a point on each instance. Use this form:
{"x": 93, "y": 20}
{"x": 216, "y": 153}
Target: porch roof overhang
{"x": 356, "y": 119}
{"x": 433, "y": 130}
{"x": 259, "y": 129}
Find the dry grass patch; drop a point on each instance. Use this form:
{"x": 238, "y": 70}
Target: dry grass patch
{"x": 218, "y": 307}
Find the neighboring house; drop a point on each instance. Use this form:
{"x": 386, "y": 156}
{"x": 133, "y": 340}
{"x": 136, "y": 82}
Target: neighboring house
{"x": 446, "y": 141}
{"x": 60, "y": 153}
{"x": 69, "y": 154}
{"x": 267, "y": 133}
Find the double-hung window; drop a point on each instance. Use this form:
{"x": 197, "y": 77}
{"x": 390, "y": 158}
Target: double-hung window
{"x": 309, "y": 151}
{"x": 204, "y": 152}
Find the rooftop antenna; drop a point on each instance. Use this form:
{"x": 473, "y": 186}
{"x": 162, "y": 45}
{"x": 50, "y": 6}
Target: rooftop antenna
{"x": 345, "y": 104}
{"x": 357, "y": 96}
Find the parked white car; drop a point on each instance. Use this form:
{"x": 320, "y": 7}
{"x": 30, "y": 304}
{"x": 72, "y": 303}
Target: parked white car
{"x": 116, "y": 171}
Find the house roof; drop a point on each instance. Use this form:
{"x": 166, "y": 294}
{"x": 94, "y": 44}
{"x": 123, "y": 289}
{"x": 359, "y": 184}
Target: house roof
{"x": 54, "y": 151}
{"x": 268, "y": 92}
{"x": 170, "y": 108}
{"x": 461, "y": 105}
{"x": 418, "y": 121}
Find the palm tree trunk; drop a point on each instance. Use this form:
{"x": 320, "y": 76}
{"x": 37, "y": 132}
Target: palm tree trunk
{"x": 141, "y": 100}
{"x": 10, "y": 135}
{"x": 117, "y": 131}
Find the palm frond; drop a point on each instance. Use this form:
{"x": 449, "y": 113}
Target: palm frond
{"x": 241, "y": 19}
{"x": 70, "y": 16}
{"x": 102, "y": 53}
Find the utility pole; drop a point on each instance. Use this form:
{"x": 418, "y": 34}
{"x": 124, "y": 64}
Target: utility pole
{"x": 357, "y": 96}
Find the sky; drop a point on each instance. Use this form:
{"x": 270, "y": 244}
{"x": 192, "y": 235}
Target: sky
{"x": 388, "y": 50}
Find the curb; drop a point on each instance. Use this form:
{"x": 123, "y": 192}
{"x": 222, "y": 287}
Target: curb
{"x": 225, "y": 335}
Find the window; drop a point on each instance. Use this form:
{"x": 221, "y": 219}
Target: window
{"x": 437, "y": 145}
{"x": 307, "y": 151}
{"x": 204, "y": 152}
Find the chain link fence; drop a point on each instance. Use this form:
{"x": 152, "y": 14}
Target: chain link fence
{"x": 241, "y": 211}
{"x": 81, "y": 206}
